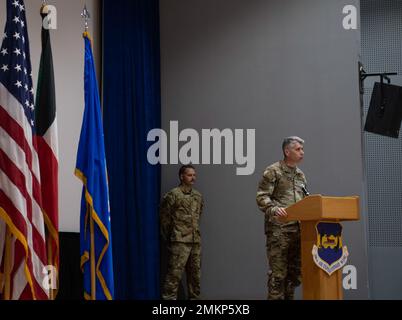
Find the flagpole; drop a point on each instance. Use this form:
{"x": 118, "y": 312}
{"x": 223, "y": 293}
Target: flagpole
{"x": 85, "y": 14}
{"x": 7, "y": 266}
{"x": 50, "y": 261}
{"x": 93, "y": 279}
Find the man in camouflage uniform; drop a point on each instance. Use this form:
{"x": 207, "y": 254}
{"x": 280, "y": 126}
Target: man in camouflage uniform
{"x": 282, "y": 185}
{"x": 180, "y": 212}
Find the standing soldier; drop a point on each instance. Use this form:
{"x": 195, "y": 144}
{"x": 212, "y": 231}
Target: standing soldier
{"x": 282, "y": 185}
{"x": 180, "y": 212}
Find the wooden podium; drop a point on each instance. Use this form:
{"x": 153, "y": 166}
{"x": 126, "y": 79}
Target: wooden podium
{"x": 317, "y": 284}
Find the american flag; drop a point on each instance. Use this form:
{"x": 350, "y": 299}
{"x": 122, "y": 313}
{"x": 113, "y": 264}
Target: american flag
{"x": 22, "y": 247}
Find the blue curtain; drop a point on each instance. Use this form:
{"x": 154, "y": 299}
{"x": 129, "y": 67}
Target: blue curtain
{"x": 131, "y": 107}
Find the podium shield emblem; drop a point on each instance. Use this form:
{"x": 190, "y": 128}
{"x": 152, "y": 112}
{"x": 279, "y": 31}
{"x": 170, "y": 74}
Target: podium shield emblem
{"x": 329, "y": 254}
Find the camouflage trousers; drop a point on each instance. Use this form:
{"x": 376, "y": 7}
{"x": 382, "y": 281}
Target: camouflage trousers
{"x": 283, "y": 252}
{"x": 183, "y": 257}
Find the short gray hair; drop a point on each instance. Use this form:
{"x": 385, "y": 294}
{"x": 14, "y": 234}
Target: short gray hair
{"x": 291, "y": 140}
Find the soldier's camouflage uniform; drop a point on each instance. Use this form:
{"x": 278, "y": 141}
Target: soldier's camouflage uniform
{"x": 281, "y": 186}
{"x": 179, "y": 219}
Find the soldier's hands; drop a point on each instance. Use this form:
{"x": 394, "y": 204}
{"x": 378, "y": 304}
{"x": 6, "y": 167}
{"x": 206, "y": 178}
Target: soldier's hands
{"x": 281, "y": 212}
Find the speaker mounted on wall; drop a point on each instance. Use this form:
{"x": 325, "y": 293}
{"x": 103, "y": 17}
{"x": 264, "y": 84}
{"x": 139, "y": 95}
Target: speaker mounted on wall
{"x": 385, "y": 111}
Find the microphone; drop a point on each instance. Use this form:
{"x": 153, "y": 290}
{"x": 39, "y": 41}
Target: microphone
{"x": 304, "y": 189}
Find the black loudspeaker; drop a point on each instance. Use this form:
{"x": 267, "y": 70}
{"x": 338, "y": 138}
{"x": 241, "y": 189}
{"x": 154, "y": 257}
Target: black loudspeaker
{"x": 70, "y": 275}
{"x": 385, "y": 112}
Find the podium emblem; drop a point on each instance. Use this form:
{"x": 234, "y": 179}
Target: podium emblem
{"x": 329, "y": 254}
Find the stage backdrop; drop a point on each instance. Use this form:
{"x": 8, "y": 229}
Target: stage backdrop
{"x": 282, "y": 68}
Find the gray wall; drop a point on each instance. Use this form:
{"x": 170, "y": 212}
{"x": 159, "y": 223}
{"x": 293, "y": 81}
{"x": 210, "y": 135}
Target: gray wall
{"x": 381, "y": 30}
{"x": 282, "y": 68}
{"x": 68, "y": 59}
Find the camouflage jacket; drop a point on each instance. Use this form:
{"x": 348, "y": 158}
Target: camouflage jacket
{"x": 180, "y": 213}
{"x": 280, "y": 186}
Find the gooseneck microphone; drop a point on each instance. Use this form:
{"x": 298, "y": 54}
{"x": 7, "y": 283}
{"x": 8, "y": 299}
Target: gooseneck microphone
{"x": 304, "y": 189}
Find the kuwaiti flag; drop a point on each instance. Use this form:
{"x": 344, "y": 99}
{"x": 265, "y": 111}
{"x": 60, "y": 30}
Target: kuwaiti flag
{"x": 46, "y": 133}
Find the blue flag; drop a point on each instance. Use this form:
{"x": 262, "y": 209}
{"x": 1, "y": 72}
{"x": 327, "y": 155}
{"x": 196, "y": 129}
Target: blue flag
{"x": 95, "y": 229}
